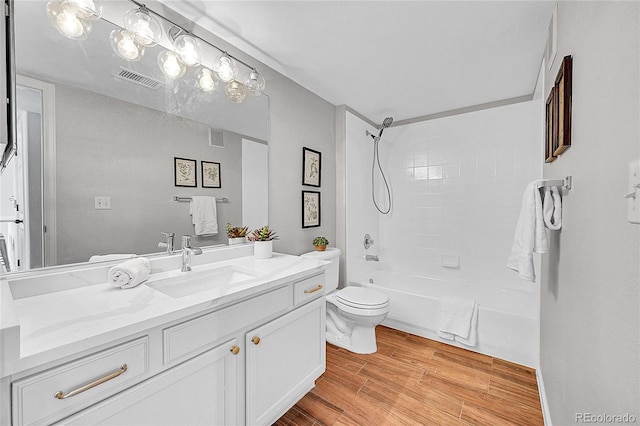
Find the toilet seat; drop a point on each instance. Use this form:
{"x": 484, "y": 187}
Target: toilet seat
{"x": 361, "y": 298}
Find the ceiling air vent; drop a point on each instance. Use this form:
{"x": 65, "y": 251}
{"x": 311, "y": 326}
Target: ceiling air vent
{"x": 138, "y": 78}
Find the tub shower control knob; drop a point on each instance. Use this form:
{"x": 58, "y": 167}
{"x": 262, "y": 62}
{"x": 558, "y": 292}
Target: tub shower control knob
{"x": 368, "y": 241}
{"x": 255, "y": 340}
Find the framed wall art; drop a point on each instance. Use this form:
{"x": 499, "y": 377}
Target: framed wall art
{"x": 211, "y": 174}
{"x": 184, "y": 172}
{"x": 311, "y": 167}
{"x": 550, "y": 136}
{"x": 563, "y": 105}
{"x": 310, "y": 209}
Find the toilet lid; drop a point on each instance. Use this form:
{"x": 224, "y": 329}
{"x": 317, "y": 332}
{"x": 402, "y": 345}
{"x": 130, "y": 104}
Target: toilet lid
{"x": 361, "y": 297}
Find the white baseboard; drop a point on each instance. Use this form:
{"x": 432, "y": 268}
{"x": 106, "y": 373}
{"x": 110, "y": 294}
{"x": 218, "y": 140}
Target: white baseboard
{"x": 546, "y": 414}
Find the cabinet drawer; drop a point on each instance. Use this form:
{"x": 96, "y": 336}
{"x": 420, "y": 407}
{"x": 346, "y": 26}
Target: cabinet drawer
{"x": 199, "y": 334}
{"x": 308, "y": 289}
{"x": 34, "y": 398}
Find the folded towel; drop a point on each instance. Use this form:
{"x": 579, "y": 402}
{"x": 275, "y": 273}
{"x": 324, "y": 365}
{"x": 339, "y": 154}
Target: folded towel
{"x": 205, "y": 216}
{"x": 107, "y": 257}
{"x": 530, "y": 235}
{"x": 552, "y": 208}
{"x": 130, "y": 273}
{"x": 458, "y": 319}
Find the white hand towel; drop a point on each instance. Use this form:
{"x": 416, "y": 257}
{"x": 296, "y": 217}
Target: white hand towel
{"x": 472, "y": 340}
{"x": 552, "y": 208}
{"x": 130, "y": 273}
{"x": 205, "y": 215}
{"x": 107, "y": 257}
{"x": 456, "y": 320}
{"x": 530, "y": 234}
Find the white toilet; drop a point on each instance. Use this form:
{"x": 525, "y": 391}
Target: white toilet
{"x": 353, "y": 312}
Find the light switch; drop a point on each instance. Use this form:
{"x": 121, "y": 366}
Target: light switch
{"x": 103, "y": 203}
{"x": 633, "y": 193}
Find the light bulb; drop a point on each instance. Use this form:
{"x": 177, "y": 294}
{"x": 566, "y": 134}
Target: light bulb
{"x": 84, "y": 9}
{"x": 255, "y": 83}
{"x": 206, "y": 80}
{"x": 123, "y": 43}
{"x": 67, "y": 23}
{"x": 170, "y": 65}
{"x": 236, "y": 92}
{"x": 145, "y": 28}
{"x": 226, "y": 68}
{"x": 188, "y": 50}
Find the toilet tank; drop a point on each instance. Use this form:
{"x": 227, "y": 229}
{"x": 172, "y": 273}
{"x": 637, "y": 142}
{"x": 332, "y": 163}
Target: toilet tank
{"x": 332, "y": 273}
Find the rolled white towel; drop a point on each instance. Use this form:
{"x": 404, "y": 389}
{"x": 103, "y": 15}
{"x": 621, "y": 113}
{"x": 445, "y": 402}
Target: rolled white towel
{"x": 130, "y": 273}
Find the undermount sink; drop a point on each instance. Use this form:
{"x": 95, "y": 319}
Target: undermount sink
{"x": 188, "y": 283}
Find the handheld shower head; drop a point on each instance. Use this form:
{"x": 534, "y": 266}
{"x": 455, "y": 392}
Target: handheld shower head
{"x": 385, "y": 123}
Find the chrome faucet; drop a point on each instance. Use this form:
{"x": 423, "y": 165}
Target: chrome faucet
{"x": 168, "y": 244}
{"x": 187, "y": 251}
{"x": 372, "y": 257}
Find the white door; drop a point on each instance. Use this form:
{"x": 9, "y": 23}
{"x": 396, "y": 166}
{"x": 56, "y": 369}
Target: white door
{"x": 284, "y": 358}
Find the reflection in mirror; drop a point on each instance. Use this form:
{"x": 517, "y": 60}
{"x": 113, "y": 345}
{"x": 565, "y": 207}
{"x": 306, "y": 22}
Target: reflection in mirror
{"x": 96, "y": 174}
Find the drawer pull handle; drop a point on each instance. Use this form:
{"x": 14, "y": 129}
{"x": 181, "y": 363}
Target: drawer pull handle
{"x": 235, "y": 350}
{"x": 61, "y": 395}
{"x": 313, "y": 290}
{"x": 255, "y": 340}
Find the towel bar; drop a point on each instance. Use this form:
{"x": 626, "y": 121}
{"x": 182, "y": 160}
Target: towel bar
{"x": 188, "y": 199}
{"x": 563, "y": 183}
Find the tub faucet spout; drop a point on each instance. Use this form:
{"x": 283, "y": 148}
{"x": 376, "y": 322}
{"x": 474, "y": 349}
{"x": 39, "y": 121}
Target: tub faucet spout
{"x": 372, "y": 258}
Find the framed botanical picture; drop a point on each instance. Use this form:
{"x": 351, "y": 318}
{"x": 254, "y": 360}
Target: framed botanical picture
{"x": 184, "y": 172}
{"x": 310, "y": 209}
{"x": 563, "y": 105}
{"x": 550, "y": 136}
{"x": 211, "y": 175}
{"x": 311, "y": 167}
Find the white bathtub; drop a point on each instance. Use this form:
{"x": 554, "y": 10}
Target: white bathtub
{"x": 507, "y": 319}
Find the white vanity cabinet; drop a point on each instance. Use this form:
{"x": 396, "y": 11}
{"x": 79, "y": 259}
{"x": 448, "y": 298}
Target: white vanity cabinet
{"x": 201, "y": 391}
{"x": 246, "y": 362}
{"x": 284, "y": 357}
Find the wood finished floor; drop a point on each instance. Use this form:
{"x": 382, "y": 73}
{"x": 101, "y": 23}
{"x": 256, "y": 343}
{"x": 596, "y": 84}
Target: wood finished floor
{"x": 412, "y": 380}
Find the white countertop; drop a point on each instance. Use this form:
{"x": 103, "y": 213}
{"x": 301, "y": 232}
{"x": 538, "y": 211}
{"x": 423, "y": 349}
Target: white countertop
{"x": 60, "y": 323}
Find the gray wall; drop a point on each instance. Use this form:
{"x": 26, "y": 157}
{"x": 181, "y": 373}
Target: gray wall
{"x": 107, "y": 147}
{"x": 298, "y": 118}
{"x": 589, "y": 356}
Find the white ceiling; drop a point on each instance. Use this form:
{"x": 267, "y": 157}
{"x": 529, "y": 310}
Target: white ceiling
{"x": 400, "y": 58}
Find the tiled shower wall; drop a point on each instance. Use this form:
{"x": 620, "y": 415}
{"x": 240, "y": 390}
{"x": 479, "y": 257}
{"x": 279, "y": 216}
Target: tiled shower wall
{"x": 457, "y": 185}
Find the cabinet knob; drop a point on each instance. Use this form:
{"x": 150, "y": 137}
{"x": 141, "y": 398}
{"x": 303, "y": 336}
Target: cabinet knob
{"x": 235, "y": 350}
{"x": 255, "y": 340}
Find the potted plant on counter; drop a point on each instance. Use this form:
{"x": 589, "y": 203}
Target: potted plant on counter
{"x": 237, "y": 234}
{"x": 320, "y": 243}
{"x": 263, "y": 242}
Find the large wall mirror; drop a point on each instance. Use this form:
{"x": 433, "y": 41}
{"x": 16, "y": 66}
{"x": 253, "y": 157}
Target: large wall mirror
{"x": 93, "y": 128}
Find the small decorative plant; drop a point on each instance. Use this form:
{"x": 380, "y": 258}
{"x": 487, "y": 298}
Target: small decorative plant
{"x": 320, "y": 243}
{"x": 236, "y": 231}
{"x": 263, "y": 234}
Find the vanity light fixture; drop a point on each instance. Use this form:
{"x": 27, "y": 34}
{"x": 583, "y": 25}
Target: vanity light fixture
{"x": 170, "y": 64}
{"x": 72, "y": 18}
{"x": 236, "y": 91}
{"x": 83, "y": 9}
{"x": 145, "y": 28}
{"x": 225, "y": 67}
{"x": 255, "y": 83}
{"x": 66, "y": 22}
{"x": 124, "y": 44}
{"x": 206, "y": 80}
{"x": 188, "y": 50}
